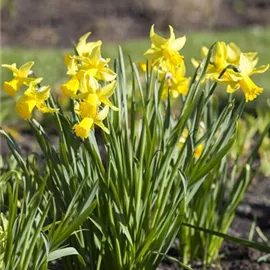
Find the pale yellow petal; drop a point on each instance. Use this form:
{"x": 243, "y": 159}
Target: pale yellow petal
{"x": 106, "y": 75}
{"x": 13, "y": 68}
{"x": 179, "y": 43}
{"x": 172, "y": 35}
{"x": 108, "y": 90}
{"x": 233, "y": 53}
{"x": 106, "y": 101}
{"x": 92, "y": 84}
{"x": 24, "y": 69}
{"x": 246, "y": 66}
{"x": 195, "y": 62}
{"x": 156, "y": 39}
{"x": 102, "y": 114}
{"x": 95, "y": 55}
{"x": 43, "y": 93}
{"x": 82, "y": 42}
{"x": 220, "y": 56}
{"x": 260, "y": 69}
{"x": 42, "y": 107}
{"x": 232, "y": 87}
{"x": 204, "y": 51}
{"x": 101, "y": 125}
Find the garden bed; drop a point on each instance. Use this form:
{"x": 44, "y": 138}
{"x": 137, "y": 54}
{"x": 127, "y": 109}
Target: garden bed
{"x": 255, "y": 206}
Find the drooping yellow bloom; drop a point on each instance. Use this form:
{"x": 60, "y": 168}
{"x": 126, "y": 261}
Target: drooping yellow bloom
{"x": 21, "y": 76}
{"x": 82, "y": 129}
{"x": 89, "y": 87}
{"x": 165, "y": 49}
{"x": 91, "y": 115}
{"x": 71, "y": 87}
{"x": 34, "y": 97}
{"x": 241, "y": 79}
{"x": 89, "y": 73}
{"x": 176, "y": 83}
{"x": 198, "y": 150}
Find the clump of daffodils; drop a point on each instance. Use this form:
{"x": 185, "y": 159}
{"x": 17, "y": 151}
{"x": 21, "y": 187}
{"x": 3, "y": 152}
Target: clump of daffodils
{"x": 165, "y": 58}
{"x": 242, "y": 66}
{"x": 91, "y": 84}
{"x": 34, "y": 95}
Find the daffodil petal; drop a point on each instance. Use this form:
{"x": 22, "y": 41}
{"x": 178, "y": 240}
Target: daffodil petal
{"x": 232, "y": 87}
{"x": 246, "y": 66}
{"x": 172, "y": 35}
{"x": 195, "y": 62}
{"x": 43, "y": 93}
{"x": 260, "y": 69}
{"x": 44, "y": 108}
{"x": 107, "y": 90}
{"x": 102, "y": 114}
{"x": 179, "y": 43}
{"x": 106, "y": 101}
{"x": 204, "y": 51}
{"x": 102, "y": 126}
{"x": 95, "y": 55}
{"x": 82, "y": 42}
{"x": 24, "y": 69}
{"x": 233, "y": 53}
{"x": 24, "y": 107}
{"x": 12, "y": 87}
{"x": 13, "y": 68}
{"x": 156, "y": 39}
{"x": 106, "y": 75}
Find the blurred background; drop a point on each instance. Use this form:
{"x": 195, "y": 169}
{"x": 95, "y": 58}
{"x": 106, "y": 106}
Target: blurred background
{"x": 43, "y": 31}
{"x": 57, "y": 22}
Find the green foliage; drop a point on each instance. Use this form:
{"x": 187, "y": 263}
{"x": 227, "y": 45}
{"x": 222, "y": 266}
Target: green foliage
{"x": 221, "y": 192}
{"x": 34, "y": 226}
{"x": 118, "y": 200}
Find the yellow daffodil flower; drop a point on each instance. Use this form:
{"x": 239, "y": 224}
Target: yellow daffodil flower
{"x": 32, "y": 98}
{"x": 199, "y": 149}
{"x": 165, "y": 49}
{"x": 72, "y": 64}
{"x": 84, "y": 48}
{"x": 96, "y": 66}
{"x": 236, "y": 80}
{"x": 90, "y": 86}
{"x": 71, "y": 87}
{"x": 90, "y": 116}
{"x": 20, "y": 77}
{"x": 176, "y": 83}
